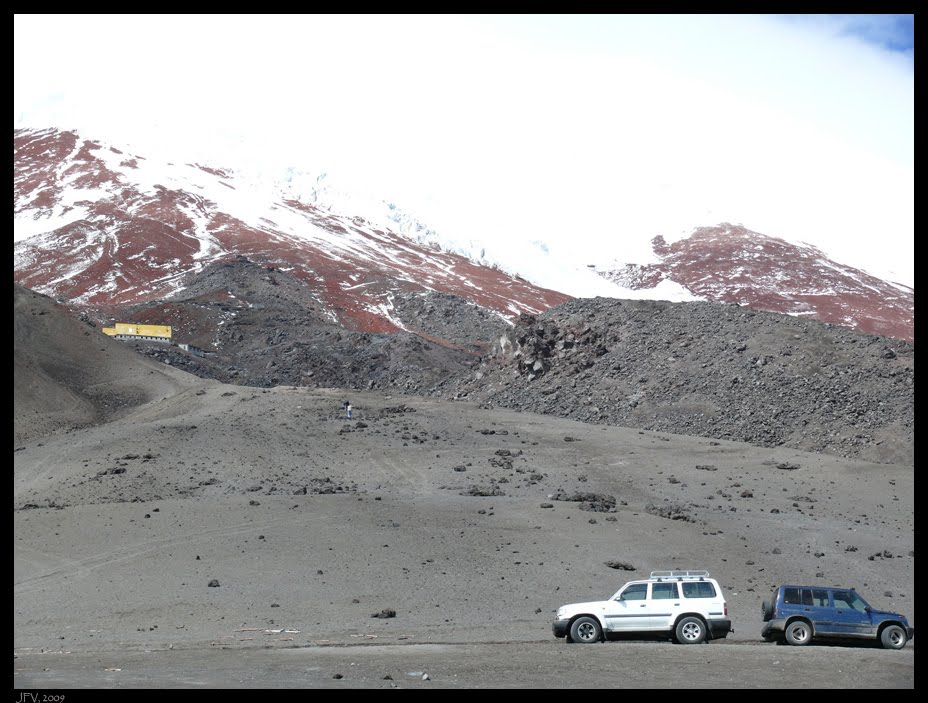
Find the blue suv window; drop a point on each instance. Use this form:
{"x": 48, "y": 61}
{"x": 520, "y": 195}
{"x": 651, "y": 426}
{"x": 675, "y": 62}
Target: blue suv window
{"x": 815, "y": 596}
{"x": 849, "y": 599}
{"x": 806, "y": 596}
{"x": 698, "y": 589}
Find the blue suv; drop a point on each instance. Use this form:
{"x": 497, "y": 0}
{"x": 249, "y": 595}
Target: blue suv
{"x": 798, "y": 614}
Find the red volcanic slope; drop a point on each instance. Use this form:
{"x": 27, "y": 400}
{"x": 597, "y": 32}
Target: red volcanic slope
{"x": 731, "y": 264}
{"x": 116, "y": 229}
{"x": 118, "y": 237}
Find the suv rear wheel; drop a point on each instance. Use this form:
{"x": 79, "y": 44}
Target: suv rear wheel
{"x": 585, "y": 630}
{"x": 690, "y": 630}
{"x": 798, "y": 633}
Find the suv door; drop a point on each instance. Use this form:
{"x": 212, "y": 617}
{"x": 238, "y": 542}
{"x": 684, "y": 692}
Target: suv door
{"x": 813, "y": 604}
{"x": 851, "y": 616}
{"x": 664, "y": 604}
{"x": 629, "y": 611}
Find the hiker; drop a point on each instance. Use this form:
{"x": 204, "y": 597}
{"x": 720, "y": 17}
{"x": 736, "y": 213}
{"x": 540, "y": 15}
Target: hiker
{"x": 348, "y": 409}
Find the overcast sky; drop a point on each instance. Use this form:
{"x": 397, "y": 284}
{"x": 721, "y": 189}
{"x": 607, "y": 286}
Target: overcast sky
{"x": 590, "y": 133}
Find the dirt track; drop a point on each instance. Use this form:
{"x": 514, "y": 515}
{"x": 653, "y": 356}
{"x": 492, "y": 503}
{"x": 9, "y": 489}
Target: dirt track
{"x": 542, "y": 665}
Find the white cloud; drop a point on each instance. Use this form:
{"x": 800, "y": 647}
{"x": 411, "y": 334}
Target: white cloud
{"x": 591, "y": 133}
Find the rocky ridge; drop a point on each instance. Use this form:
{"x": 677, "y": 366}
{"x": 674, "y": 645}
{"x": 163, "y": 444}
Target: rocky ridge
{"x": 707, "y": 370}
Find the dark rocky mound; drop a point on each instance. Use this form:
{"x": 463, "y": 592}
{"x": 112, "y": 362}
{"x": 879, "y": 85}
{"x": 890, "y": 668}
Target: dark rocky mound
{"x": 708, "y": 370}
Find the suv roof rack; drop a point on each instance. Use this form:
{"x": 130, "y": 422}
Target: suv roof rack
{"x": 679, "y": 574}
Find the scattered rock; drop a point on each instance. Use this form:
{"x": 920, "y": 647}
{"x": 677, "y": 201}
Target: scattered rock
{"x": 670, "y": 511}
{"x": 596, "y": 502}
{"x": 482, "y": 491}
{"x": 620, "y": 565}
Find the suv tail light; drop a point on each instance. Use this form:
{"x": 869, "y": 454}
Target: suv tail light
{"x": 726, "y": 608}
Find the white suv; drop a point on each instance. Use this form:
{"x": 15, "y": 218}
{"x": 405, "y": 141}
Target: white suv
{"x": 686, "y": 606}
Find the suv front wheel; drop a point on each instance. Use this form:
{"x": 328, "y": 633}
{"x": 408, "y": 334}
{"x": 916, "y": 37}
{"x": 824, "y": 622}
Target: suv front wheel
{"x": 585, "y": 630}
{"x": 690, "y": 630}
{"x": 893, "y": 637}
{"x": 799, "y": 633}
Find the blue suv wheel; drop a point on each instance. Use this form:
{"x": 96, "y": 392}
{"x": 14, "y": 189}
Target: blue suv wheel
{"x": 893, "y": 637}
{"x": 799, "y": 633}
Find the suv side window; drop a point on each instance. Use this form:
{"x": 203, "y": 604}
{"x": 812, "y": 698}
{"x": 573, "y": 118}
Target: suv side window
{"x": 637, "y": 591}
{"x": 791, "y": 596}
{"x": 848, "y": 599}
{"x": 816, "y": 596}
{"x": 663, "y": 591}
{"x": 698, "y": 589}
